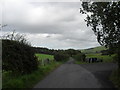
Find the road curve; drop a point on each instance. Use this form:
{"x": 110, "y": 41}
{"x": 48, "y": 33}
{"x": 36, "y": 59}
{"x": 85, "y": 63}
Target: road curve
{"x": 70, "y": 75}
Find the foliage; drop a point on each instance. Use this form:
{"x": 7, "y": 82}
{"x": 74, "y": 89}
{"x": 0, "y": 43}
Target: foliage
{"x": 18, "y": 56}
{"x": 72, "y": 52}
{"x": 61, "y": 56}
{"x": 44, "y": 50}
{"x": 104, "y": 18}
{"x": 16, "y": 37}
{"x": 80, "y": 57}
{"x": 29, "y": 80}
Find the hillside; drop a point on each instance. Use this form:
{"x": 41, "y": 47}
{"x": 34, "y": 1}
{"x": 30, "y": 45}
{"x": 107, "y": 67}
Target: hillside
{"x": 93, "y": 50}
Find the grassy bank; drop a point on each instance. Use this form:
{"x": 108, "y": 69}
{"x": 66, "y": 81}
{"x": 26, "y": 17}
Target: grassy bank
{"x": 27, "y": 81}
{"x": 115, "y": 78}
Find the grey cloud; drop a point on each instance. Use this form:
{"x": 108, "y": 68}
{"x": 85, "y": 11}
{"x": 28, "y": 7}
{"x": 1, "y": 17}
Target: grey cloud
{"x": 54, "y": 25}
{"x": 62, "y": 20}
{"x": 57, "y": 4}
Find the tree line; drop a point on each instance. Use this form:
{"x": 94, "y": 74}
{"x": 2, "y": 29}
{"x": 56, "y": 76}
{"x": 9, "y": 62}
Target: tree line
{"x": 18, "y": 56}
{"x": 60, "y": 54}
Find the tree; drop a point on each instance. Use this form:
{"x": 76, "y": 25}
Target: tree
{"x": 80, "y": 57}
{"x": 61, "y": 56}
{"x": 72, "y": 52}
{"x": 104, "y": 18}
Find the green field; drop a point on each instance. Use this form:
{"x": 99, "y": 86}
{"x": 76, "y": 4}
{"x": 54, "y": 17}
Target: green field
{"x": 96, "y": 53}
{"x": 44, "y": 56}
{"x": 105, "y": 58}
{"x": 93, "y": 50}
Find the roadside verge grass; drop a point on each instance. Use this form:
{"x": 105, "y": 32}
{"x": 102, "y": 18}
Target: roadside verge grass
{"x": 28, "y": 80}
{"x": 115, "y": 78}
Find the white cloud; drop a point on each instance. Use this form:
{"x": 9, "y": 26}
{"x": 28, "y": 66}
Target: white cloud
{"x": 54, "y": 25}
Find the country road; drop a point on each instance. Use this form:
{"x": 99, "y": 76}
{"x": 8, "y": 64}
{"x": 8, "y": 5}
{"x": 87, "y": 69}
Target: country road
{"x": 70, "y": 75}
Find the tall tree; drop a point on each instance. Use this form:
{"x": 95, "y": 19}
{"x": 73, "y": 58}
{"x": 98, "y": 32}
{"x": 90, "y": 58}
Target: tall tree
{"x": 104, "y": 18}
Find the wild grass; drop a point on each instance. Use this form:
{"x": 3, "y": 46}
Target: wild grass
{"x": 115, "y": 78}
{"x": 28, "y": 80}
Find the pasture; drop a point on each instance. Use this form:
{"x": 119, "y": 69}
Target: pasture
{"x": 93, "y": 50}
{"x": 105, "y": 58}
{"x": 44, "y": 56}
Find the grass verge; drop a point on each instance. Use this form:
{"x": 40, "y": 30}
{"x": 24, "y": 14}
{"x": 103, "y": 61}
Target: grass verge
{"x": 115, "y": 78}
{"x": 29, "y": 80}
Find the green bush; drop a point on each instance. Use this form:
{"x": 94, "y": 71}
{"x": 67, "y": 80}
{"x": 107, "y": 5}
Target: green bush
{"x": 18, "y": 57}
{"x": 61, "y": 56}
{"x": 80, "y": 57}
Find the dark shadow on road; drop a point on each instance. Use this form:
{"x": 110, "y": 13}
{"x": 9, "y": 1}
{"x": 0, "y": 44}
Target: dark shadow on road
{"x": 102, "y": 72}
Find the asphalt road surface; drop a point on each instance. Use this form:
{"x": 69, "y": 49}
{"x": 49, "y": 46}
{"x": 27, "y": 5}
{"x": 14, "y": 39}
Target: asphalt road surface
{"x": 70, "y": 75}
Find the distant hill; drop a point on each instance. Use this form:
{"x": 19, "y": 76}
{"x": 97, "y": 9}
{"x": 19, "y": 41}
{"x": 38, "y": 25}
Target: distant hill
{"x": 93, "y": 50}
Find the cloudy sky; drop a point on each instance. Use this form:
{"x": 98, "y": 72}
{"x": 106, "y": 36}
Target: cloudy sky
{"x": 57, "y": 25}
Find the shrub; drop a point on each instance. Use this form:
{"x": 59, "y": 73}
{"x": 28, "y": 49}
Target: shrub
{"x": 18, "y": 57}
{"x": 80, "y": 57}
{"x": 14, "y": 83}
{"x": 61, "y": 56}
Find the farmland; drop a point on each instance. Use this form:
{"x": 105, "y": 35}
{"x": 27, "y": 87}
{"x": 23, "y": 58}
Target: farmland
{"x": 105, "y": 58}
{"x": 93, "y": 50}
{"x": 96, "y": 53}
{"x": 44, "y": 56}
